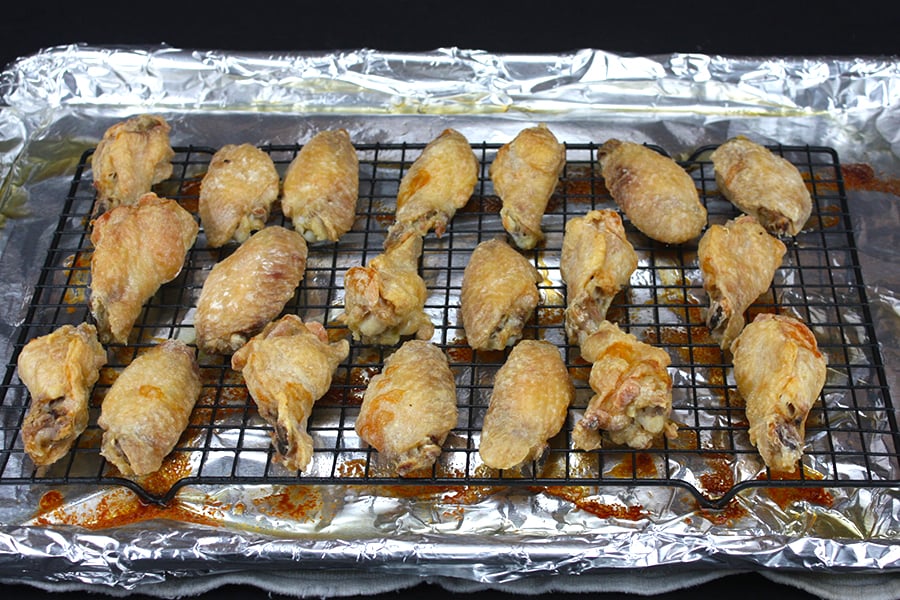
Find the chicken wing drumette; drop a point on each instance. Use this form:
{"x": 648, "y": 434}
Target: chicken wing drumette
{"x": 654, "y": 192}
{"x": 499, "y": 294}
{"x": 385, "y": 300}
{"x": 528, "y": 406}
{"x": 148, "y": 407}
{"x": 525, "y": 174}
{"x": 738, "y": 261}
{"x": 60, "y": 370}
{"x": 409, "y": 408}
{"x": 321, "y": 187}
{"x": 137, "y": 248}
{"x": 130, "y": 158}
{"x": 287, "y": 367}
{"x": 249, "y": 288}
{"x": 762, "y": 184}
{"x": 596, "y": 263}
{"x": 236, "y": 193}
{"x": 633, "y": 391}
{"x": 780, "y": 373}
{"x": 439, "y": 182}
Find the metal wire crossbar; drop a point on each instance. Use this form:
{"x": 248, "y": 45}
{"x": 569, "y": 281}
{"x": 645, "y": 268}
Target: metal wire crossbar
{"x": 852, "y": 434}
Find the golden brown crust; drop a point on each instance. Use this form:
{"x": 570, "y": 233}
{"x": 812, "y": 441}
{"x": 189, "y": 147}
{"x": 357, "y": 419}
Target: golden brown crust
{"x": 137, "y": 248}
{"x": 410, "y": 407}
{"x": 528, "y": 406}
{"x": 236, "y": 193}
{"x": 321, "y": 187}
{"x": 525, "y": 173}
{"x": 148, "y": 407}
{"x": 654, "y": 192}
{"x": 245, "y": 291}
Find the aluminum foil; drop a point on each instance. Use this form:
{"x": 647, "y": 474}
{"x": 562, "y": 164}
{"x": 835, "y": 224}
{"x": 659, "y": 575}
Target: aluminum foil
{"x": 58, "y": 102}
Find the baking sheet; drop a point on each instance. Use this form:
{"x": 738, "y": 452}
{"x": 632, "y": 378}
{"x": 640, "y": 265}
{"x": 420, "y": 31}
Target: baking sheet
{"x": 58, "y": 103}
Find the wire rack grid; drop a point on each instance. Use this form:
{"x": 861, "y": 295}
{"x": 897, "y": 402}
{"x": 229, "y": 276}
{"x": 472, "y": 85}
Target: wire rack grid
{"x": 852, "y": 434}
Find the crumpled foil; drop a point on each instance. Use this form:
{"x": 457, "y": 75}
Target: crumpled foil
{"x": 57, "y": 103}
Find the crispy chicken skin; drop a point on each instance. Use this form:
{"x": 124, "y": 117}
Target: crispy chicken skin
{"x": 525, "y": 174}
{"x": 60, "y": 370}
{"x": 321, "y": 187}
{"x": 410, "y": 407}
{"x": 633, "y": 391}
{"x": 130, "y": 158}
{"x": 780, "y": 373}
{"x": 762, "y": 184}
{"x": 654, "y": 192}
{"x": 499, "y": 294}
{"x": 137, "y": 248}
{"x": 385, "y": 300}
{"x": 148, "y": 407}
{"x": 596, "y": 263}
{"x": 738, "y": 261}
{"x": 439, "y": 182}
{"x": 248, "y": 289}
{"x": 287, "y": 367}
{"x": 528, "y": 406}
{"x": 236, "y": 193}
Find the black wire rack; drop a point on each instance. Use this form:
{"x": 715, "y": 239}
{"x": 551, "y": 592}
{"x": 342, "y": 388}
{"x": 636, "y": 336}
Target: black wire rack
{"x": 852, "y": 434}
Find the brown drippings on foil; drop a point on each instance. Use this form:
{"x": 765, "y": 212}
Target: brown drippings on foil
{"x": 489, "y": 204}
{"x": 175, "y": 467}
{"x": 580, "y": 369}
{"x": 720, "y": 479}
{"x": 785, "y": 496}
{"x": 78, "y": 270}
{"x": 189, "y": 195}
{"x": 50, "y": 501}
{"x": 629, "y": 468}
{"x": 588, "y": 502}
{"x": 582, "y": 182}
{"x": 732, "y": 512}
{"x": 859, "y": 176}
{"x": 296, "y": 502}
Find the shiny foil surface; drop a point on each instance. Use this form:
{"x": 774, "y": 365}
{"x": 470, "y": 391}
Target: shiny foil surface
{"x": 56, "y": 104}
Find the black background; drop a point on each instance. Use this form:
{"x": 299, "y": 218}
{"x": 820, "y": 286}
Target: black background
{"x": 744, "y": 28}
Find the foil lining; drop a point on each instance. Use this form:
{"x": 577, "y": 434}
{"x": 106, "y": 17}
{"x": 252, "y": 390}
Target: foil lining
{"x": 58, "y": 102}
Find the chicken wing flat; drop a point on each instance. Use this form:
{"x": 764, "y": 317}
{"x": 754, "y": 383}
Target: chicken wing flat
{"x": 137, "y": 248}
{"x": 780, "y": 373}
{"x": 410, "y": 407}
{"x": 287, "y": 367}
{"x": 439, "y": 182}
{"x": 499, "y": 294}
{"x": 596, "y": 263}
{"x": 385, "y": 300}
{"x": 130, "y": 158}
{"x": 236, "y": 193}
{"x": 738, "y": 261}
{"x": 633, "y": 391}
{"x": 60, "y": 370}
{"x": 762, "y": 184}
{"x": 248, "y": 289}
{"x": 654, "y": 192}
{"x": 531, "y": 397}
{"x": 148, "y": 407}
{"x": 321, "y": 187}
{"x": 525, "y": 174}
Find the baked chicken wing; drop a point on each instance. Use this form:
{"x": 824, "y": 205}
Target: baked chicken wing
{"x": 148, "y": 407}
{"x": 130, "y": 158}
{"x": 439, "y": 182}
{"x": 499, "y": 294}
{"x": 780, "y": 372}
{"x": 762, "y": 184}
{"x": 248, "y": 289}
{"x": 596, "y": 263}
{"x": 528, "y": 406}
{"x": 738, "y": 261}
{"x": 137, "y": 248}
{"x": 287, "y": 367}
{"x": 410, "y": 407}
{"x": 525, "y": 173}
{"x": 654, "y": 192}
{"x": 633, "y": 391}
{"x": 60, "y": 370}
{"x": 236, "y": 193}
{"x": 321, "y": 187}
{"x": 385, "y": 300}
